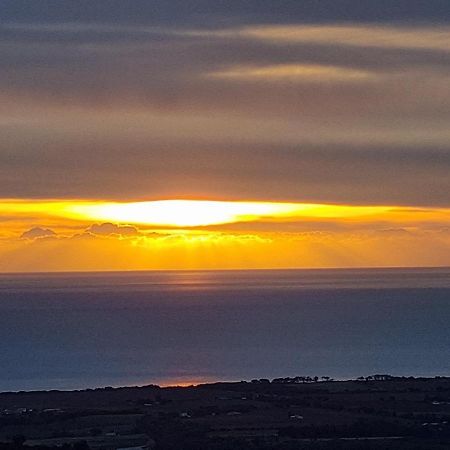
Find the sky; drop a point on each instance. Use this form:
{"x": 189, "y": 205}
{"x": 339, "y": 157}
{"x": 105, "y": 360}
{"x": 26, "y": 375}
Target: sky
{"x": 317, "y": 129}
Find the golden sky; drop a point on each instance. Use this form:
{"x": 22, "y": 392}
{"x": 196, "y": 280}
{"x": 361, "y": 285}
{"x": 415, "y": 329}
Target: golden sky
{"x": 163, "y": 136}
{"x": 189, "y": 234}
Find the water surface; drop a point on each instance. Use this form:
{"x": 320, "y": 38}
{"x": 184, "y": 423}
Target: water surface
{"x": 95, "y": 329}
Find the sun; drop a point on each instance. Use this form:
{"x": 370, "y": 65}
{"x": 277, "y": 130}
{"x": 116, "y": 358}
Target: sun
{"x": 181, "y": 213}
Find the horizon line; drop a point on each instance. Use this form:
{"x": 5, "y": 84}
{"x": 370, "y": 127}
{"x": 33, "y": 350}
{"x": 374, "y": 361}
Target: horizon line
{"x": 275, "y": 269}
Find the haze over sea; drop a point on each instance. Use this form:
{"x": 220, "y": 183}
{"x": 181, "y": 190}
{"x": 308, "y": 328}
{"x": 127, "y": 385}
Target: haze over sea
{"x": 79, "y": 330}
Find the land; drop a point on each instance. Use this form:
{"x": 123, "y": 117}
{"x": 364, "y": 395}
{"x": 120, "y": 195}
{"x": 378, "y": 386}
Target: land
{"x": 378, "y": 412}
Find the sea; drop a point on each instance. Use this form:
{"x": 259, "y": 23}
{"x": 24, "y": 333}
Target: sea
{"x": 88, "y": 330}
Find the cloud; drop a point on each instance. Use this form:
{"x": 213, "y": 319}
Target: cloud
{"x": 361, "y": 35}
{"x": 127, "y": 110}
{"x": 38, "y": 233}
{"x": 208, "y": 13}
{"x": 107, "y": 229}
{"x": 225, "y": 251}
{"x": 292, "y": 73}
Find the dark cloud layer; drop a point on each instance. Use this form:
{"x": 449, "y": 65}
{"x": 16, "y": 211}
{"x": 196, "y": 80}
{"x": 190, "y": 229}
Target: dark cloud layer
{"x": 336, "y": 173}
{"x": 172, "y": 99}
{"x": 219, "y": 11}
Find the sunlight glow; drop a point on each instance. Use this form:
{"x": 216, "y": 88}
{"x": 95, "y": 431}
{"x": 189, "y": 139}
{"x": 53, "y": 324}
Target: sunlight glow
{"x": 193, "y": 213}
{"x": 181, "y": 213}
{"x": 198, "y": 213}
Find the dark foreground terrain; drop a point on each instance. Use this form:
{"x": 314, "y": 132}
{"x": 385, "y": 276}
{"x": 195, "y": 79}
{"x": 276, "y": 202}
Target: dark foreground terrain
{"x": 379, "y": 412}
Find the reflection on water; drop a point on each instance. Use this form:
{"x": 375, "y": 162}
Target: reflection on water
{"x": 78, "y": 330}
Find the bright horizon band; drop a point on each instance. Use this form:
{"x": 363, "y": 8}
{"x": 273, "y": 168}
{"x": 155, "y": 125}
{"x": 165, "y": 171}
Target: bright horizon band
{"x": 195, "y": 213}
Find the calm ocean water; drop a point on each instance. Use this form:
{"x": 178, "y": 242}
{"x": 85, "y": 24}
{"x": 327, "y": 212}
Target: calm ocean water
{"x": 70, "y": 331}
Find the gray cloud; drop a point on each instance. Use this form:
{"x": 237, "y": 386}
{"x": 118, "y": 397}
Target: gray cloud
{"x": 112, "y": 229}
{"x": 121, "y": 109}
{"x": 38, "y": 233}
{"x": 210, "y": 13}
{"x": 330, "y": 172}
